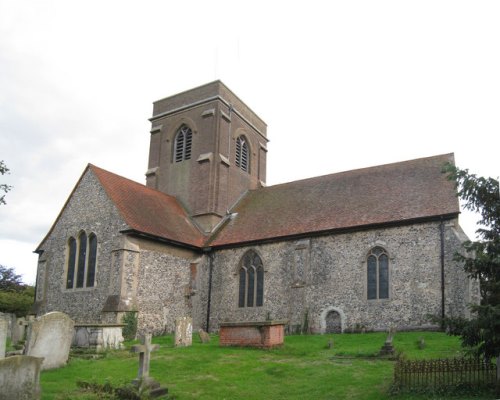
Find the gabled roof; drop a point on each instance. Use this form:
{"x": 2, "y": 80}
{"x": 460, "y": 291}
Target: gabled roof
{"x": 387, "y": 194}
{"x": 384, "y": 195}
{"x": 149, "y": 211}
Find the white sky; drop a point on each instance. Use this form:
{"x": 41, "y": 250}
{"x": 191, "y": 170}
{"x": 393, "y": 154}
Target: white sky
{"x": 369, "y": 82}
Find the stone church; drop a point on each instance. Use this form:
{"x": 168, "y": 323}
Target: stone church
{"x": 206, "y": 238}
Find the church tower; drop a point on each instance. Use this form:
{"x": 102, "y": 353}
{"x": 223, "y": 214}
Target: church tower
{"x": 207, "y": 149}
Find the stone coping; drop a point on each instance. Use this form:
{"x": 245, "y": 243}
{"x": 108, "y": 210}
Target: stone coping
{"x": 100, "y": 325}
{"x": 255, "y": 323}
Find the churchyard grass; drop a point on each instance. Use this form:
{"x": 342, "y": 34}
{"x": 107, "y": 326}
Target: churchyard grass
{"x": 304, "y": 368}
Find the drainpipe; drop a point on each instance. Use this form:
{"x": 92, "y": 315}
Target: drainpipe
{"x": 441, "y": 234}
{"x": 210, "y": 272}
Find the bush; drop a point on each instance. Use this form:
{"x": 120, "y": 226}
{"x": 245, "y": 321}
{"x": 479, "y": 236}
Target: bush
{"x": 130, "y": 329}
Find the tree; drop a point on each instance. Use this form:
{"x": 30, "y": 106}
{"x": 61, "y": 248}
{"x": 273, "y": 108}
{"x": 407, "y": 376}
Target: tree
{"x": 15, "y": 296}
{"x": 482, "y": 260}
{"x": 9, "y": 280}
{"x": 3, "y": 187}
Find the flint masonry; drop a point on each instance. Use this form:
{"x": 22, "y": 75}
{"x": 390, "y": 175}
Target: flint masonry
{"x": 206, "y": 238}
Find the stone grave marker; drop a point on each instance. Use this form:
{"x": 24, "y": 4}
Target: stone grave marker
{"x": 143, "y": 380}
{"x": 204, "y": 336}
{"x": 19, "y": 330}
{"x": 50, "y": 336}
{"x": 20, "y": 378}
{"x": 4, "y": 325}
{"x": 183, "y": 331}
{"x": 388, "y": 348}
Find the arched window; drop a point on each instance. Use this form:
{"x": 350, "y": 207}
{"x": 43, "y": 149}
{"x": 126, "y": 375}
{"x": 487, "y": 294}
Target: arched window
{"x": 82, "y": 258}
{"x": 182, "y": 144}
{"x": 91, "y": 260}
{"x": 251, "y": 279}
{"x": 377, "y": 274}
{"x": 242, "y": 155}
{"x": 70, "y": 276}
{"x": 82, "y": 261}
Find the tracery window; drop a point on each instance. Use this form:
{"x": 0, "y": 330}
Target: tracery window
{"x": 81, "y": 261}
{"x": 182, "y": 144}
{"x": 242, "y": 156}
{"x": 251, "y": 281}
{"x": 377, "y": 274}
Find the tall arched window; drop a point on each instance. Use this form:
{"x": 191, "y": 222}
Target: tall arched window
{"x": 70, "y": 276}
{"x": 182, "y": 144}
{"x": 251, "y": 281}
{"x": 377, "y": 274}
{"x": 81, "y": 261}
{"x": 242, "y": 154}
{"x": 82, "y": 258}
{"x": 91, "y": 260}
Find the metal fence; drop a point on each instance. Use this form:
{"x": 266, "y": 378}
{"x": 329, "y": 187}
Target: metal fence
{"x": 441, "y": 373}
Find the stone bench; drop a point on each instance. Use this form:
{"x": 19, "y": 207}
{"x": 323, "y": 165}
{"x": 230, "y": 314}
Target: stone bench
{"x": 263, "y": 334}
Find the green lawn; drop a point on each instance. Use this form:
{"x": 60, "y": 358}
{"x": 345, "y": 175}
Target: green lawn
{"x": 304, "y": 368}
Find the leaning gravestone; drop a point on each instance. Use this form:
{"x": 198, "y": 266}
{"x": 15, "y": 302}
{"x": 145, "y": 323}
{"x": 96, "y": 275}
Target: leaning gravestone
{"x": 204, "y": 336}
{"x": 50, "y": 337}
{"x": 3, "y": 336}
{"x": 183, "y": 331}
{"x": 20, "y": 378}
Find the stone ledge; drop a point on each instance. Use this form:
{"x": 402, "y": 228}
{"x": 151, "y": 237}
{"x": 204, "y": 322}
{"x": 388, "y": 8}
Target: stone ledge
{"x": 256, "y": 323}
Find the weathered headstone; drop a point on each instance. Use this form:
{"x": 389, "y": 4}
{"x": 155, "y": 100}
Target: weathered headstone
{"x": 388, "y": 348}
{"x": 183, "y": 331}
{"x": 143, "y": 380}
{"x": 50, "y": 336}
{"x": 204, "y": 336}
{"x": 19, "y": 330}
{"x": 20, "y": 378}
{"x": 4, "y": 325}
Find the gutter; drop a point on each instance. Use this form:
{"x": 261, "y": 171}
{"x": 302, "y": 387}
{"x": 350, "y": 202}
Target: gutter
{"x": 210, "y": 274}
{"x": 441, "y": 237}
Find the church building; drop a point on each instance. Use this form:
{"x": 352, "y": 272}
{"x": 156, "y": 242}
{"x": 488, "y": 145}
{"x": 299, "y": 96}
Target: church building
{"x": 368, "y": 249}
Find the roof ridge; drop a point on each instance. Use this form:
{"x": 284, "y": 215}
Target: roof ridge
{"x": 350, "y": 171}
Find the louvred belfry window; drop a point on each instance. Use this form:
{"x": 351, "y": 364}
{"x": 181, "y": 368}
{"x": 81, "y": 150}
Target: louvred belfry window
{"x": 377, "y": 274}
{"x": 242, "y": 155}
{"x": 251, "y": 281}
{"x": 182, "y": 144}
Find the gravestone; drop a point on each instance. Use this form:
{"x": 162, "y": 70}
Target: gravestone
{"x": 4, "y": 325}
{"x": 388, "y": 348}
{"x": 204, "y": 336}
{"x": 50, "y": 336}
{"x": 20, "y": 378}
{"x": 183, "y": 331}
{"x": 19, "y": 330}
{"x": 143, "y": 380}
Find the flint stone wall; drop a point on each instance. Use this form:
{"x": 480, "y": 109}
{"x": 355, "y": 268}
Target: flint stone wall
{"x": 20, "y": 378}
{"x": 305, "y": 278}
{"x": 170, "y": 285}
{"x": 88, "y": 209}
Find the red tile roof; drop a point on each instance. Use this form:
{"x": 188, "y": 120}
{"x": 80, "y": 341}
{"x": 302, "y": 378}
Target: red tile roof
{"x": 149, "y": 211}
{"x": 386, "y": 194}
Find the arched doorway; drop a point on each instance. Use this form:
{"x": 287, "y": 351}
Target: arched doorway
{"x": 333, "y": 322}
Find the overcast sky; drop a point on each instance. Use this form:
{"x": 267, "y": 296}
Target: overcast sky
{"x": 341, "y": 85}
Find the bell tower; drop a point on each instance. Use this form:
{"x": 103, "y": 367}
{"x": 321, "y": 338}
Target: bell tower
{"x": 207, "y": 148}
